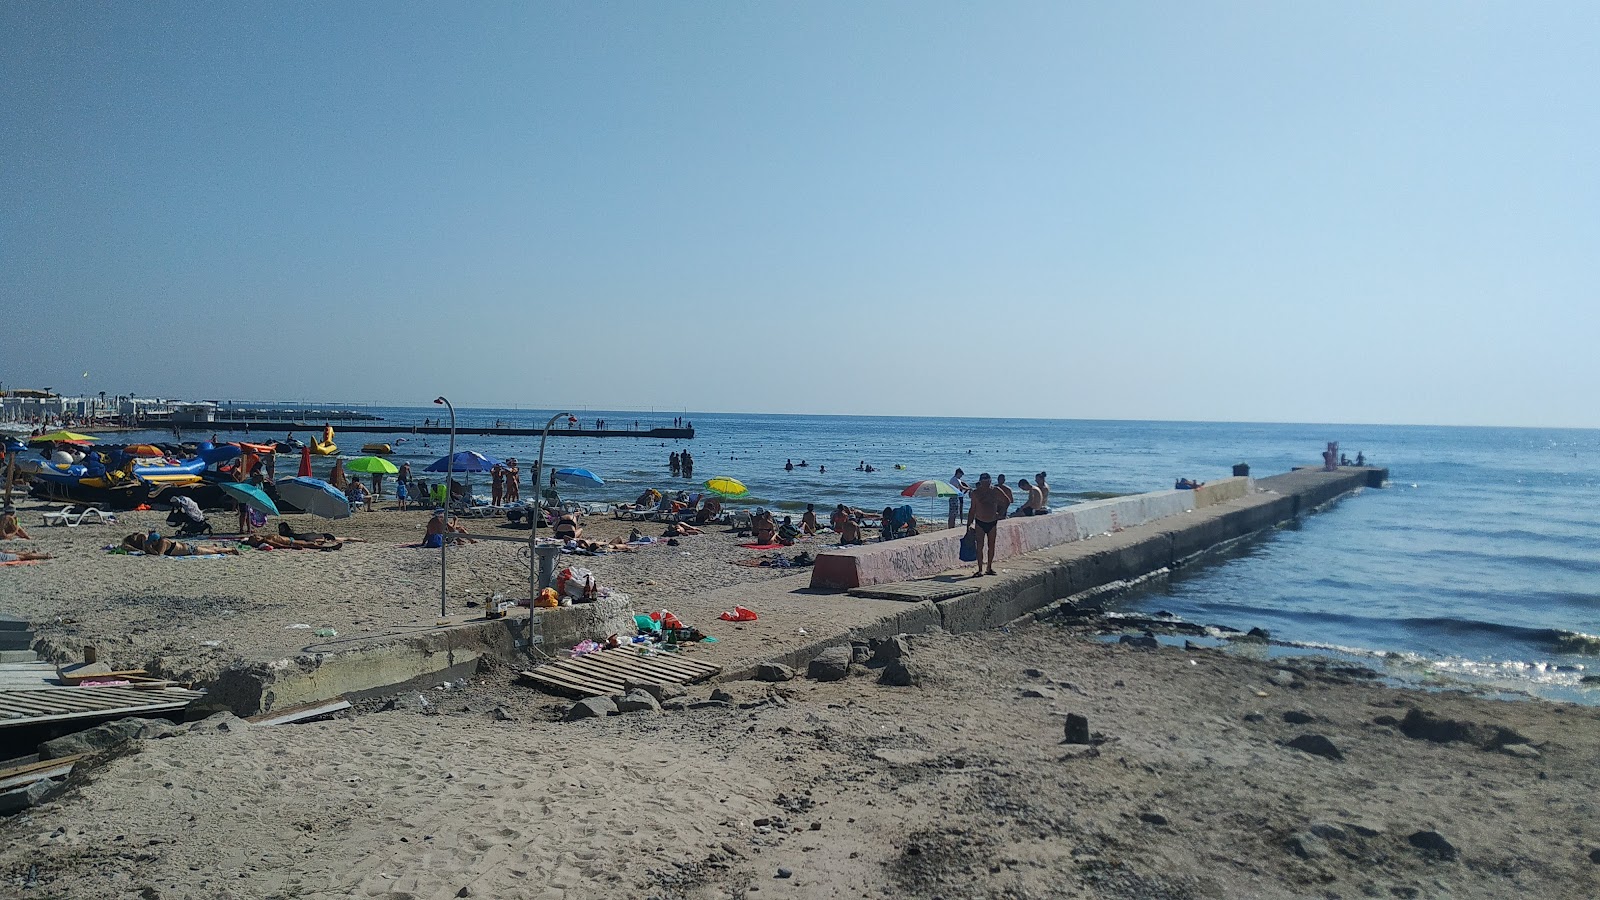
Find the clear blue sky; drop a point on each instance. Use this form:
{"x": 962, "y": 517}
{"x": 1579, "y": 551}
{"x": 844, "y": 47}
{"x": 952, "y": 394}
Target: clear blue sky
{"x": 1179, "y": 210}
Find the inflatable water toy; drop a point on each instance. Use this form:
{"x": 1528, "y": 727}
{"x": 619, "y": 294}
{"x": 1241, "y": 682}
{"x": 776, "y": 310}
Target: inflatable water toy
{"x": 376, "y": 448}
{"x": 326, "y": 446}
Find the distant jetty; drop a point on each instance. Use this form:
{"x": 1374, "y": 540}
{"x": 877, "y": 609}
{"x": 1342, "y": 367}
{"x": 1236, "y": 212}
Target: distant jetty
{"x": 378, "y": 426}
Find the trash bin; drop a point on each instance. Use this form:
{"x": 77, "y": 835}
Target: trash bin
{"x": 547, "y": 563}
{"x": 1241, "y": 470}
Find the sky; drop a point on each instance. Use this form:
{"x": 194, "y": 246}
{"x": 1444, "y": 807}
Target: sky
{"x": 1355, "y": 212}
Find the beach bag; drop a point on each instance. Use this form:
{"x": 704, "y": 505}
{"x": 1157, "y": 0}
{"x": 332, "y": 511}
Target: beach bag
{"x": 969, "y": 546}
{"x": 572, "y": 581}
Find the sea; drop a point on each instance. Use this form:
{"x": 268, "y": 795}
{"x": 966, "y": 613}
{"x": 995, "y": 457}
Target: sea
{"x": 1478, "y": 562}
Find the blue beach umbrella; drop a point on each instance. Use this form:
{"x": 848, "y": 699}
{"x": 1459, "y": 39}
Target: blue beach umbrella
{"x": 315, "y": 496}
{"x": 250, "y": 496}
{"x": 464, "y": 461}
{"x": 467, "y": 461}
{"x": 580, "y": 476}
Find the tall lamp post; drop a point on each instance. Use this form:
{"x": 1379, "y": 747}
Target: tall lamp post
{"x": 533, "y": 536}
{"x": 449, "y": 481}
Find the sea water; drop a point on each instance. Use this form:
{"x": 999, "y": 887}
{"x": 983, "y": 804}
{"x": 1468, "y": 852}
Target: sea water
{"x": 1480, "y": 559}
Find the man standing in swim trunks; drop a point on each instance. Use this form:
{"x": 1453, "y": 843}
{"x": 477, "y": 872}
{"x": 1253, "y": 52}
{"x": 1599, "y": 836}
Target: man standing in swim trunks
{"x": 983, "y": 514}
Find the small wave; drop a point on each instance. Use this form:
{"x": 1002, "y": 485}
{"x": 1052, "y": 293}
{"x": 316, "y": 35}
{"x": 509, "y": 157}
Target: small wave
{"x": 1521, "y": 560}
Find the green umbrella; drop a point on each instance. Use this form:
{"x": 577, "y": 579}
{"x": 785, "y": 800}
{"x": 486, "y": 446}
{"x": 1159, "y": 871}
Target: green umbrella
{"x": 250, "y": 496}
{"x": 371, "y": 465}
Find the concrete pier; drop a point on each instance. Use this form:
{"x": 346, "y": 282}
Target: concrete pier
{"x": 1097, "y": 546}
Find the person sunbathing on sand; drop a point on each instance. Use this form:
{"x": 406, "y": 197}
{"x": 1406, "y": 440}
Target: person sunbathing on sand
{"x": 850, "y": 532}
{"x": 153, "y": 544}
{"x": 438, "y": 527}
{"x": 679, "y": 529}
{"x": 279, "y": 542}
{"x": 11, "y": 556}
{"x": 11, "y": 528}
{"x": 567, "y": 528}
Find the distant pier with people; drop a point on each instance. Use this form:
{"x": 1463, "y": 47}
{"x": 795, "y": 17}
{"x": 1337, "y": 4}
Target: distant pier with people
{"x": 661, "y": 433}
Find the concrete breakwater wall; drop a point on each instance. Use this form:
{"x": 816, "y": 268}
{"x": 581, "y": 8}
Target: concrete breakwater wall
{"x": 939, "y": 551}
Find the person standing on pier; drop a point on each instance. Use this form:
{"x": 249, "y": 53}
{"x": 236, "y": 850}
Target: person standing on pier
{"x": 957, "y": 500}
{"x": 983, "y": 516}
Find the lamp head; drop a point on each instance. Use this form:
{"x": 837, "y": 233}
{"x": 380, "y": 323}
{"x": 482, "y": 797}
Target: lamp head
{"x": 438, "y": 399}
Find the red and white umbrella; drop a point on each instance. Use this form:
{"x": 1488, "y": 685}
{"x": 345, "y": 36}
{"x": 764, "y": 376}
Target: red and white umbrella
{"x": 930, "y": 487}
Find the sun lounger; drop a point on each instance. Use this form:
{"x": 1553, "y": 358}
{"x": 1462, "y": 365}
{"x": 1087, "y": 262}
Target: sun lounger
{"x": 65, "y": 517}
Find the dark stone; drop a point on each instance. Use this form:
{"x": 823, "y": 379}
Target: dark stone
{"x": 1034, "y": 693}
{"x": 860, "y": 653}
{"x": 109, "y": 734}
{"x": 1077, "y": 729}
{"x": 499, "y": 714}
{"x": 1141, "y": 642}
{"x": 1152, "y": 818}
{"x": 1390, "y": 721}
{"x": 591, "y": 708}
{"x": 38, "y": 792}
{"x": 1307, "y": 846}
{"x": 662, "y": 691}
{"x": 785, "y": 873}
{"x": 1254, "y": 717}
{"x": 899, "y": 673}
{"x": 678, "y": 705}
{"x": 892, "y": 649}
{"x": 1191, "y": 646}
{"x": 1428, "y": 727}
{"x": 1316, "y": 745}
{"x": 638, "y": 701}
{"x": 1594, "y": 856}
{"x": 1033, "y": 673}
{"x": 832, "y": 664}
{"x": 711, "y": 704}
{"x": 1432, "y": 842}
{"x": 1261, "y": 633}
{"x": 769, "y": 671}
{"x": 1297, "y": 717}
{"x": 1327, "y": 831}
{"x": 1589, "y": 679}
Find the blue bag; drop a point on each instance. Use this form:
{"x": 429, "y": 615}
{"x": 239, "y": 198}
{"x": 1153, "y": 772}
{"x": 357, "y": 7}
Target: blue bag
{"x": 969, "y": 546}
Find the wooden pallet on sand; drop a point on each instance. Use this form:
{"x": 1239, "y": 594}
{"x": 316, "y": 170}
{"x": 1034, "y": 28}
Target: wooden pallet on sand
{"x": 603, "y": 672}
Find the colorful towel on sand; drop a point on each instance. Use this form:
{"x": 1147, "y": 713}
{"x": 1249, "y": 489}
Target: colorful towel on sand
{"x": 118, "y": 551}
{"x": 762, "y": 546}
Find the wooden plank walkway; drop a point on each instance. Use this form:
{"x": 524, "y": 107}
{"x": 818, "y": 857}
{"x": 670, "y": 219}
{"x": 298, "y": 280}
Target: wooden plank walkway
{"x": 55, "y": 704}
{"x": 603, "y": 673}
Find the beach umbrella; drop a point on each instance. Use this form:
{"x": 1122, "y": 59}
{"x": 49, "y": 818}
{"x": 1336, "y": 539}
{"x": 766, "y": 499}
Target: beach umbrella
{"x": 315, "y": 496}
{"x": 250, "y": 496}
{"x": 930, "y": 487}
{"x": 371, "y": 465}
{"x": 305, "y": 463}
{"x": 464, "y": 461}
{"x": 467, "y": 461}
{"x": 63, "y": 437}
{"x": 579, "y": 476}
{"x": 723, "y": 486}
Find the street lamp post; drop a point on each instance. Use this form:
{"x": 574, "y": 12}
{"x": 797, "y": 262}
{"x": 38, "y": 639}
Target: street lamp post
{"x": 449, "y": 481}
{"x": 533, "y": 536}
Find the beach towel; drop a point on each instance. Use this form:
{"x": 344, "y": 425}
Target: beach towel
{"x": 762, "y": 546}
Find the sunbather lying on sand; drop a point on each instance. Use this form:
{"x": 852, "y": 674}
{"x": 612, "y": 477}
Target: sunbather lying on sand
{"x": 679, "y": 529}
{"x": 279, "y": 542}
{"x": 11, "y": 556}
{"x": 153, "y": 544}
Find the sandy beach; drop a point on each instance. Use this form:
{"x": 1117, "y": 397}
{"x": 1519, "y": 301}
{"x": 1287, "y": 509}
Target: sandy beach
{"x": 957, "y": 786}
